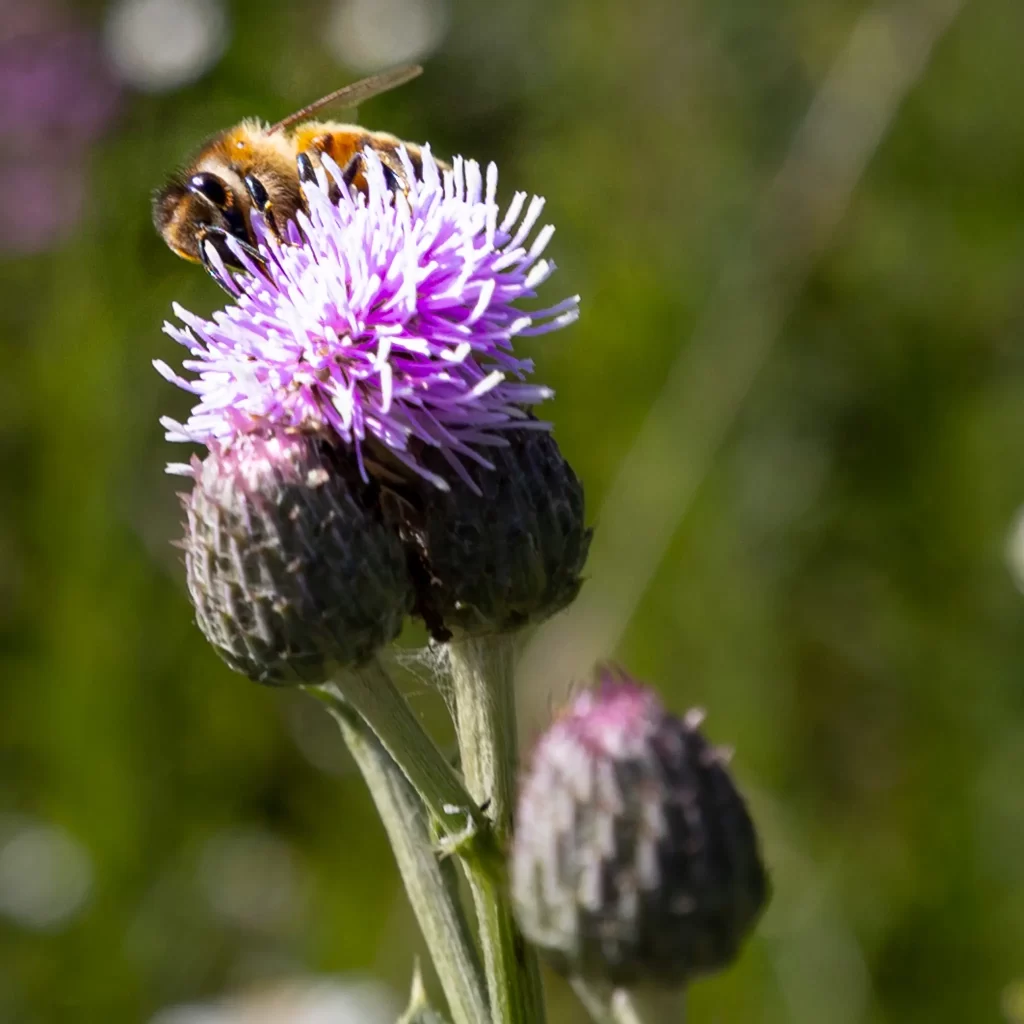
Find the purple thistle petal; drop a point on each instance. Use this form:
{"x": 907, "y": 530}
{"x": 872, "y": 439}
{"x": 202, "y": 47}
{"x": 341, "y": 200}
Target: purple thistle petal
{"x": 383, "y": 316}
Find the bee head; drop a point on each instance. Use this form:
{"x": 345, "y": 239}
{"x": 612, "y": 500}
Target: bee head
{"x": 188, "y": 207}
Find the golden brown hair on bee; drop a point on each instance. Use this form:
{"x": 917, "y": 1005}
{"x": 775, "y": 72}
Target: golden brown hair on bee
{"x": 210, "y": 193}
{"x": 256, "y": 166}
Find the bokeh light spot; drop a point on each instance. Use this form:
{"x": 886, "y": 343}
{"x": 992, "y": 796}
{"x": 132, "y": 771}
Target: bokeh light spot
{"x": 158, "y": 45}
{"x": 369, "y": 34}
{"x": 45, "y": 875}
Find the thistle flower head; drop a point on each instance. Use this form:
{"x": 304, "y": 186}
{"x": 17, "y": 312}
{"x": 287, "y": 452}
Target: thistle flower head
{"x": 634, "y": 858}
{"x": 387, "y": 320}
{"x": 506, "y": 556}
{"x": 288, "y": 564}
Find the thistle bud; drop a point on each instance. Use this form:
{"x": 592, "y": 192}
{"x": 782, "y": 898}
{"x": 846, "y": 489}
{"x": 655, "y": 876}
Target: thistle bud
{"x": 634, "y": 858}
{"x": 505, "y": 552}
{"x": 289, "y": 565}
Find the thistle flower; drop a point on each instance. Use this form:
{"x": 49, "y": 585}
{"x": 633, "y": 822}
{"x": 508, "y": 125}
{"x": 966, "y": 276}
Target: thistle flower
{"x": 634, "y": 859}
{"x": 388, "y": 321}
{"x": 290, "y": 569}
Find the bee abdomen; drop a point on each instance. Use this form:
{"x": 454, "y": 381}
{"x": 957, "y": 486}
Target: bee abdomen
{"x": 345, "y": 144}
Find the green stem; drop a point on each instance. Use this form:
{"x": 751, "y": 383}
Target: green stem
{"x": 482, "y": 671}
{"x": 429, "y": 883}
{"x": 372, "y": 693}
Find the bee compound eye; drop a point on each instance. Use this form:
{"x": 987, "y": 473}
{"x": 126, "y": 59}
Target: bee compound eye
{"x": 210, "y": 187}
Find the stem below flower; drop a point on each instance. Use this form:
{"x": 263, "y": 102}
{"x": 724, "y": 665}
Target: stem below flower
{"x": 485, "y": 719}
{"x": 429, "y": 884}
{"x": 370, "y": 691}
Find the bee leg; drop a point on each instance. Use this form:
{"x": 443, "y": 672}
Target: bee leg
{"x": 215, "y": 241}
{"x": 307, "y": 172}
{"x": 357, "y": 166}
{"x": 261, "y": 200}
{"x": 307, "y": 176}
{"x": 352, "y": 169}
{"x": 392, "y": 179}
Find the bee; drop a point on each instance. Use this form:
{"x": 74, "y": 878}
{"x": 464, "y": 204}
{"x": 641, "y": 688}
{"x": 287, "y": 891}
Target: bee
{"x": 253, "y": 166}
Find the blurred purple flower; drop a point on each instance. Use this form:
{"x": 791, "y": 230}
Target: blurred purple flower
{"x": 56, "y": 97}
{"x": 39, "y": 204}
{"x": 54, "y": 89}
{"x": 385, "y": 319}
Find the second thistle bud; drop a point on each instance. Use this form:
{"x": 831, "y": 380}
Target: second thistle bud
{"x": 507, "y": 554}
{"x": 634, "y": 858}
{"x": 288, "y": 563}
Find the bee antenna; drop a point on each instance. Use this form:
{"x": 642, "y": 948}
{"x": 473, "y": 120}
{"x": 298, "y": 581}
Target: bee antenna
{"x": 356, "y": 93}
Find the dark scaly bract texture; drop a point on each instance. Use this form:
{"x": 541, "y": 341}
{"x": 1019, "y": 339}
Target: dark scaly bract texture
{"x": 634, "y": 859}
{"x": 289, "y": 565}
{"x": 511, "y": 554}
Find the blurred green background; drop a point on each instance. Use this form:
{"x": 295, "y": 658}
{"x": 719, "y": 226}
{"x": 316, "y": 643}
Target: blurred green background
{"x": 814, "y": 539}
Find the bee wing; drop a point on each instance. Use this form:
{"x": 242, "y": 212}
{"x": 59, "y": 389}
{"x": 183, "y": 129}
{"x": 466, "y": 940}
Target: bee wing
{"x": 355, "y": 93}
